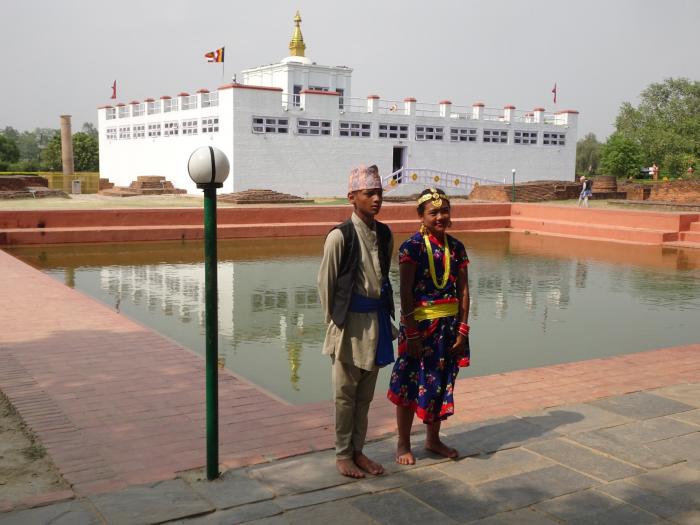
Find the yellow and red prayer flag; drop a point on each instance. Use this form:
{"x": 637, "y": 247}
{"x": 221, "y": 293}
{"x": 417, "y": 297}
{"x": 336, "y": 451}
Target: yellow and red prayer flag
{"x": 215, "y": 56}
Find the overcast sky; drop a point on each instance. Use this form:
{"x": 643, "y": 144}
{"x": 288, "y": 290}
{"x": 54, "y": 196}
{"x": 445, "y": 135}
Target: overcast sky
{"x": 61, "y": 56}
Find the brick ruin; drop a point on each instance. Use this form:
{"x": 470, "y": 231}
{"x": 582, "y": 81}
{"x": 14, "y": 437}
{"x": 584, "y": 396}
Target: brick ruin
{"x": 144, "y": 185}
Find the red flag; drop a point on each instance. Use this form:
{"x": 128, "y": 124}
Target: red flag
{"x": 114, "y": 90}
{"x": 554, "y": 92}
{"x": 215, "y": 56}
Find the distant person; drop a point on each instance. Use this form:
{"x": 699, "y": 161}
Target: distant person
{"x": 357, "y": 300}
{"x": 586, "y": 185}
{"x": 654, "y": 171}
{"x": 434, "y": 334}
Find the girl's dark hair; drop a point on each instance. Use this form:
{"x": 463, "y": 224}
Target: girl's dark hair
{"x": 427, "y": 191}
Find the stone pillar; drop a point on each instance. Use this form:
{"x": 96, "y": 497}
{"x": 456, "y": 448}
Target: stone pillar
{"x": 66, "y": 146}
{"x": 477, "y": 110}
{"x": 445, "y": 108}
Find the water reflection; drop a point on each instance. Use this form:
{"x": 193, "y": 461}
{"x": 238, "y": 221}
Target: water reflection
{"x": 534, "y": 301}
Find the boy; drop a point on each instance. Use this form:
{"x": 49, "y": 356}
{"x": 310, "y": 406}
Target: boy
{"x": 357, "y": 301}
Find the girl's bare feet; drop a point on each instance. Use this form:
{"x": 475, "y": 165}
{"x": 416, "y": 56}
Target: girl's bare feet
{"x": 404, "y": 456}
{"x": 347, "y": 467}
{"x": 367, "y": 464}
{"x": 438, "y": 447}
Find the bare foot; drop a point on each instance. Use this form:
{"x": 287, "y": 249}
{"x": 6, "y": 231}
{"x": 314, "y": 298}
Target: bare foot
{"x": 404, "y": 456}
{"x": 368, "y": 465}
{"x": 348, "y": 468}
{"x": 441, "y": 449}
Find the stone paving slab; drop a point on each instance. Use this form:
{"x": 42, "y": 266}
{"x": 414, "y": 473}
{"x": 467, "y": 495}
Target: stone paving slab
{"x": 693, "y": 417}
{"x": 459, "y": 501}
{"x": 398, "y": 508}
{"x": 68, "y": 513}
{"x": 528, "y": 516}
{"x": 640, "y": 454}
{"x": 584, "y": 460}
{"x": 147, "y": 504}
{"x": 667, "y": 505}
{"x": 232, "y": 489}
{"x": 532, "y": 487}
{"x": 642, "y": 405}
{"x": 509, "y": 432}
{"x": 588, "y": 507}
{"x": 562, "y": 418}
{"x": 688, "y": 393}
{"x": 650, "y": 430}
{"x": 303, "y": 474}
{"x": 337, "y": 513}
{"x": 686, "y": 447}
{"x": 490, "y": 467}
{"x": 242, "y": 514}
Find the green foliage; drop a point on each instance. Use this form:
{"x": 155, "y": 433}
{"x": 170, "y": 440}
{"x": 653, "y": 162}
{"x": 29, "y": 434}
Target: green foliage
{"x": 666, "y": 125}
{"x": 588, "y": 154}
{"x": 621, "y": 156}
{"x": 9, "y": 152}
{"x": 85, "y": 152}
{"x": 51, "y": 155}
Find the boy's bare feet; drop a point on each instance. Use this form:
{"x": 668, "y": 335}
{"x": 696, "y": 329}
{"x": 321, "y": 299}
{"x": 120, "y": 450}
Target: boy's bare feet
{"x": 441, "y": 449}
{"x": 404, "y": 456}
{"x": 368, "y": 465}
{"x": 347, "y": 467}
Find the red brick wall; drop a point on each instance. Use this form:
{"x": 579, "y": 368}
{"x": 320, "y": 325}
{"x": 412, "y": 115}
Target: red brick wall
{"x": 680, "y": 191}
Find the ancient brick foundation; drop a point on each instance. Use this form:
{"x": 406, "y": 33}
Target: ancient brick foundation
{"x": 536, "y": 191}
{"x": 677, "y": 191}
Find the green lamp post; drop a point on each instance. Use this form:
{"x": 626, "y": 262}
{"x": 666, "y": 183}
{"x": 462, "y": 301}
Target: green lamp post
{"x": 208, "y": 167}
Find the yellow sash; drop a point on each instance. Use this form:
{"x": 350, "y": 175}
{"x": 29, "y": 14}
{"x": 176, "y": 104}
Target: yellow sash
{"x": 435, "y": 311}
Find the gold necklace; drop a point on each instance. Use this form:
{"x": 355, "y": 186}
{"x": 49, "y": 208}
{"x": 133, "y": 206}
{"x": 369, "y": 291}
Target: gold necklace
{"x": 431, "y": 263}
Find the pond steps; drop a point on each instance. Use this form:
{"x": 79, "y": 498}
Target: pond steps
{"x": 132, "y": 225}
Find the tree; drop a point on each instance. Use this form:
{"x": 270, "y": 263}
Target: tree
{"x": 51, "y": 154}
{"x": 666, "y": 124}
{"x": 621, "y": 156}
{"x": 587, "y": 154}
{"x": 9, "y": 152}
{"x": 90, "y": 129}
{"x": 85, "y": 152}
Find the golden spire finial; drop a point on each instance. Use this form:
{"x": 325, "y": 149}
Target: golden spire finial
{"x": 296, "y": 44}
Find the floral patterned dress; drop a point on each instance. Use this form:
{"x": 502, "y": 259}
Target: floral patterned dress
{"x": 426, "y": 384}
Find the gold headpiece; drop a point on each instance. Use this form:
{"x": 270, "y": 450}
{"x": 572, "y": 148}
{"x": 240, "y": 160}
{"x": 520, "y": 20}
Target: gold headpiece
{"x": 435, "y": 195}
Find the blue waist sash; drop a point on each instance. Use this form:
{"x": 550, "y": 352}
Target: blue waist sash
{"x": 363, "y": 304}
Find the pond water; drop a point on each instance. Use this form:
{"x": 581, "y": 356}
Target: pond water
{"x": 536, "y": 301}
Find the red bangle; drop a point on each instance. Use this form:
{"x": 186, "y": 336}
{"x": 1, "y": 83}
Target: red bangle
{"x": 463, "y": 328}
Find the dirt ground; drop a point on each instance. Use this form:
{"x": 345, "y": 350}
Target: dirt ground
{"x": 25, "y": 469}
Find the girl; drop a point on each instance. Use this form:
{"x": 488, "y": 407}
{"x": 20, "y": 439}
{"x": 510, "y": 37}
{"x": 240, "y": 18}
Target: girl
{"x": 434, "y": 334}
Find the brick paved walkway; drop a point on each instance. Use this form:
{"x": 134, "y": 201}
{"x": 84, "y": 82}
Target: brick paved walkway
{"x": 116, "y": 404}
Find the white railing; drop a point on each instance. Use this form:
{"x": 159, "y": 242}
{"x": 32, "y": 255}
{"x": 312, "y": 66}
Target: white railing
{"x": 430, "y": 178}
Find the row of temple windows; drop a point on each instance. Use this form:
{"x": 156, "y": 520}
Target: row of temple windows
{"x": 165, "y": 129}
{"x": 401, "y": 131}
{"x": 208, "y": 100}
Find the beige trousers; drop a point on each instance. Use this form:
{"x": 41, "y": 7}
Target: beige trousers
{"x": 354, "y": 390}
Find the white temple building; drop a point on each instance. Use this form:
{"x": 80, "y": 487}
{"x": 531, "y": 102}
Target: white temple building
{"x": 295, "y": 127}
